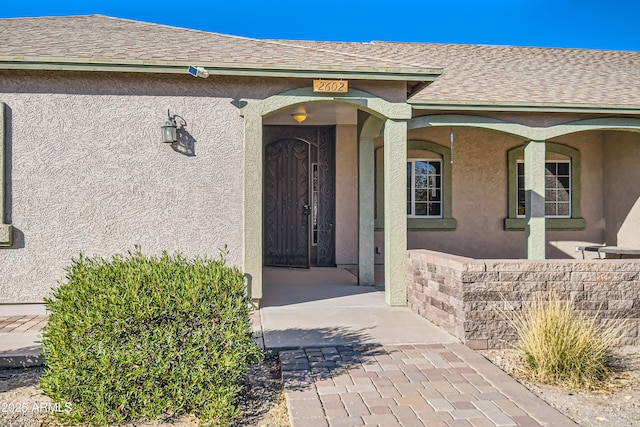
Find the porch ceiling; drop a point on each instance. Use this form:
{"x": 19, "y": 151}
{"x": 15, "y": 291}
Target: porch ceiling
{"x": 318, "y": 114}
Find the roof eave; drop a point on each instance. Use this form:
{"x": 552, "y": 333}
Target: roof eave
{"x": 223, "y": 69}
{"x": 439, "y": 105}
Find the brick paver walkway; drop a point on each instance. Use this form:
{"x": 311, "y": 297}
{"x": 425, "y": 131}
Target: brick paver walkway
{"x": 391, "y": 385}
{"x": 18, "y": 324}
{"x": 406, "y": 385}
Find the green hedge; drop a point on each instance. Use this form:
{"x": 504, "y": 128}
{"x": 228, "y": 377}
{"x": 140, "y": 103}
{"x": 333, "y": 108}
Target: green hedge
{"x": 139, "y": 337}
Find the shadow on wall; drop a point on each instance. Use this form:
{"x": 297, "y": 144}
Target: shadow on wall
{"x": 18, "y": 240}
{"x": 186, "y": 144}
{"x": 622, "y": 194}
{"x": 553, "y": 252}
{"x": 629, "y": 225}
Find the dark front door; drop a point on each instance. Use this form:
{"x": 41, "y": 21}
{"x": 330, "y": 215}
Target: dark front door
{"x": 299, "y": 196}
{"x": 287, "y": 207}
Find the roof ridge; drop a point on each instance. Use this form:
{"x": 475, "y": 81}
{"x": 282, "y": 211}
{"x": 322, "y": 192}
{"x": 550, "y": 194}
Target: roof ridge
{"x": 482, "y": 45}
{"x": 136, "y": 21}
{"x": 173, "y": 27}
{"x": 48, "y": 17}
{"x": 469, "y": 45}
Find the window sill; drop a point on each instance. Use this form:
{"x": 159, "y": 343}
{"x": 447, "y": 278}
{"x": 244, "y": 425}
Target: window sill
{"x": 551, "y": 223}
{"x": 6, "y": 234}
{"x": 434, "y": 224}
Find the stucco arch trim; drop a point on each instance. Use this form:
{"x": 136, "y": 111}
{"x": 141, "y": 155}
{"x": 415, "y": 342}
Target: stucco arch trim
{"x": 524, "y": 132}
{"x": 369, "y": 126}
{"x": 462, "y": 120}
{"x": 609, "y": 123}
{"x": 361, "y": 100}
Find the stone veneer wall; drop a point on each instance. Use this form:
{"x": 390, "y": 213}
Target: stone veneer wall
{"x": 464, "y": 295}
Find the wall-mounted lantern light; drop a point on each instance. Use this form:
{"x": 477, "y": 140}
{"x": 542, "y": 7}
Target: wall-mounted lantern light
{"x": 170, "y": 128}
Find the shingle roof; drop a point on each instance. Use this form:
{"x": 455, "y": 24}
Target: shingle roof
{"x": 472, "y": 74}
{"x": 98, "y": 38}
{"x": 516, "y": 75}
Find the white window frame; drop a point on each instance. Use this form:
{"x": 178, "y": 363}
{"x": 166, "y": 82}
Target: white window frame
{"x": 520, "y": 161}
{"x": 413, "y": 186}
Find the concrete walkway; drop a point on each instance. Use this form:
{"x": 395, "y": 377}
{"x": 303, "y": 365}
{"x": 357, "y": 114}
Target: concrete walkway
{"x": 324, "y": 306}
{"x": 20, "y": 340}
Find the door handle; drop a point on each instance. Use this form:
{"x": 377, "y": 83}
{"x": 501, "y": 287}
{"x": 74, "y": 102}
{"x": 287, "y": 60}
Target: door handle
{"x": 306, "y": 210}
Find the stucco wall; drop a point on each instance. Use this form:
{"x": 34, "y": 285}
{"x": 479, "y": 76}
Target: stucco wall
{"x": 346, "y": 195}
{"x": 87, "y": 171}
{"x": 480, "y": 197}
{"x": 621, "y": 192}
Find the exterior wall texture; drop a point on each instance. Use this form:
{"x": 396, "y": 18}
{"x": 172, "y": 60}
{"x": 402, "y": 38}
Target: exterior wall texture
{"x": 346, "y": 195}
{"x": 465, "y": 296}
{"x": 621, "y": 192}
{"x": 87, "y": 171}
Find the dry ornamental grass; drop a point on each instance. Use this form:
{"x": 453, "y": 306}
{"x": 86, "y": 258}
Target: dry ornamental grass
{"x": 563, "y": 346}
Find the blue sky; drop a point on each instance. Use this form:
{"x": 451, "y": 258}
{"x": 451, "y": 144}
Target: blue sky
{"x": 612, "y": 24}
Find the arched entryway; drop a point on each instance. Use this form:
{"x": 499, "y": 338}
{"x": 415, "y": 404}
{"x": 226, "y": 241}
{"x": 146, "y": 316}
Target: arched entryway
{"x": 373, "y": 113}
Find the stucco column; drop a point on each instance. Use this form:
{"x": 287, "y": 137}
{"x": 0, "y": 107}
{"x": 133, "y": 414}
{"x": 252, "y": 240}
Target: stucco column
{"x": 395, "y": 211}
{"x": 252, "y": 198}
{"x": 534, "y": 187}
{"x": 366, "y": 212}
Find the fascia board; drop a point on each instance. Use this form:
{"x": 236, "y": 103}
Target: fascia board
{"x": 254, "y": 70}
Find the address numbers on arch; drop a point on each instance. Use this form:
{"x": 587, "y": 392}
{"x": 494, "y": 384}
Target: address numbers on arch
{"x": 331, "y": 86}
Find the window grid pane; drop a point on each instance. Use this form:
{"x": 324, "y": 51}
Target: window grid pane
{"x": 557, "y": 189}
{"x": 424, "y": 188}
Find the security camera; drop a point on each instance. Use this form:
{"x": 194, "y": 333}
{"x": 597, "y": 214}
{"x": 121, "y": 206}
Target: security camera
{"x": 198, "y": 71}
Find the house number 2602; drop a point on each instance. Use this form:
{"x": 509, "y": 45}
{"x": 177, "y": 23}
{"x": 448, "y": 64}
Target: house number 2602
{"x": 331, "y": 86}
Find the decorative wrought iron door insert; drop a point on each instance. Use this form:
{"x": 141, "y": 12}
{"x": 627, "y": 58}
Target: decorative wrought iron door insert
{"x": 289, "y": 208}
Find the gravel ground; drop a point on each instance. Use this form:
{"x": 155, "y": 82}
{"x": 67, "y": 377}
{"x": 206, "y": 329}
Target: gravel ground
{"x": 262, "y": 404}
{"x": 619, "y": 407}
{"x": 20, "y": 402}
